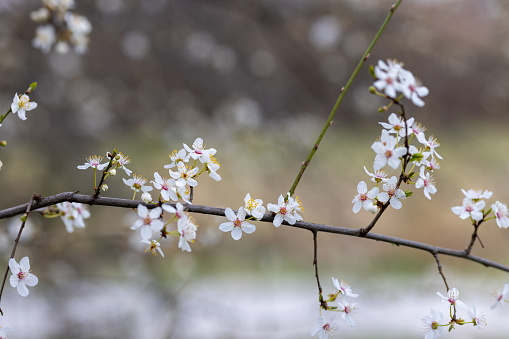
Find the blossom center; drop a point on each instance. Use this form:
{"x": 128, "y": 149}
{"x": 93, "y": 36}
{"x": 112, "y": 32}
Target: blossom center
{"x": 237, "y": 223}
{"x": 388, "y": 154}
{"x": 22, "y": 275}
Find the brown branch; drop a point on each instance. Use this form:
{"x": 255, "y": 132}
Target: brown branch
{"x": 440, "y": 270}
{"x": 23, "y": 221}
{"x": 474, "y": 237}
{"x": 268, "y": 217}
{"x": 323, "y": 304}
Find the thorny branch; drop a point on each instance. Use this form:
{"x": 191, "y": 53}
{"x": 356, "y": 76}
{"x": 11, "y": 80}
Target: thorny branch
{"x": 268, "y": 217}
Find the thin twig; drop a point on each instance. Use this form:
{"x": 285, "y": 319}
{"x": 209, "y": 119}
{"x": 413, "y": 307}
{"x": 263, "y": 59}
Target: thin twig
{"x": 474, "y": 237}
{"x": 323, "y": 304}
{"x": 363, "y": 59}
{"x": 268, "y": 217}
{"x": 23, "y": 221}
{"x": 440, "y": 270}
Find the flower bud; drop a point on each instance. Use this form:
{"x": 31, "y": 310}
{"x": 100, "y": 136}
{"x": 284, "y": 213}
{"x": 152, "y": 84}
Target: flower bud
{"x": 113, "y": 171}
{"x": 104, "y": 187}
{"x": 146, "y": 197}
{"x": 372, "y": 89}
{"x": 373, "y": 209}
{"x": 3, "y": 143}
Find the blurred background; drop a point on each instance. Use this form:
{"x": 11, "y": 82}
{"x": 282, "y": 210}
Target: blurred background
{"x": 255, "y": 79}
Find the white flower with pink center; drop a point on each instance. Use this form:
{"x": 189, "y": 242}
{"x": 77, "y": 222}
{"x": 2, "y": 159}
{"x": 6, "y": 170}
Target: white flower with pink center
{"x": 363, "y": 197}
{"x": 386, "y": 151}
{"x": 387, "y": 75}
{"x": 500, "y": 295}
{"x": 427, "y": 181}
{"x": 347, "y": 310}
{"x": 286, "y": 211}
{"x": 343, "y": 288}
{"x": 412, "y": 88}
{"x": 148, "y": 221}
{"x": 21, "y": 276}
{"x": 470, "y": 209}
{"x": 94, "y": 162}
{"x": 501, "y": 214}
{"x": 453, "y": 296}
{"x": 187, "y": 229}
{"x": 325, "y": 328}
{"x": 237, "y": 224}
{"x": 199, "y": 151}
{"x": 392, "y": 193}
{"x": 431, "y": 144}
{"x": 167, "y": 187}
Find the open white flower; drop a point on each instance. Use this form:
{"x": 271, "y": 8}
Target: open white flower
{"x": 363, "y": 197}
{"x": 254, "y": 207}
{"x": 286, "y": 211}
{"x": 94, "y": 162}
{"x": 325, "y": 328}
{"x": 21, "y": 276}
{"x": 501, "y": 214}
{"x": 343, "y": 288}
{"x": 347, "y": 310}
{"x": 176, "y": 157}
{"x": 137, "y": 183}
{"x": 184, "y": 175}
{"x": 453, "y": 296}
{"x": 187, "y": 230}
{"x": 153, "y": 246}
{"x": 396, "y": 125}
{"x": 21, "y": 104}
{"x": 478, "y": 317}
{"x": 4, "y": 332}
{"x": 392, "y": 193}
{"x": 430, "y": 325}
{"x": 427, "y": 181}
{"x": 167, "y": 187}
{"x": 148, "y": 221}
{"x": 500, "y": 295}
{"x": 237, "y": 224}
{"x": 73, "y": 215}
{"x": 199, "y": 151}
{"x": 470, "y": 209}
{"x": 386, "y": 151}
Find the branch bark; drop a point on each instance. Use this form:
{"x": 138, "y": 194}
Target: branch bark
{"x": 268, "y": 217}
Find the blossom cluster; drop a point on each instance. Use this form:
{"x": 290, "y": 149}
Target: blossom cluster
{"x": 390, "y": 150}
{"x": 60, "y": 27}
{"x": 393, "y": 78}
{"x": 72, "y": 214}
{"x": 254, "y": 209}
{"x": 473, "y": 208}
{"x": 326, "y": 326}
{"x": 151, "y": 221}
{"x": 176, "y": 187}
{"x": 434, "y": 324}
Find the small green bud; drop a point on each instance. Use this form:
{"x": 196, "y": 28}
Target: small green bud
{"x": 23, "y": 218}
{"x": 33, "y": 85}
{"x": 408, "y": 193}
{"x": 3, "y": 143}
{"x": 372, "y": 71}
{"x": 372, "y": 89}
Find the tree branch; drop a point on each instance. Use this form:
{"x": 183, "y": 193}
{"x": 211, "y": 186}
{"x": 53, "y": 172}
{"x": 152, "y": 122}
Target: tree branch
{"x": 268, "y": 217}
